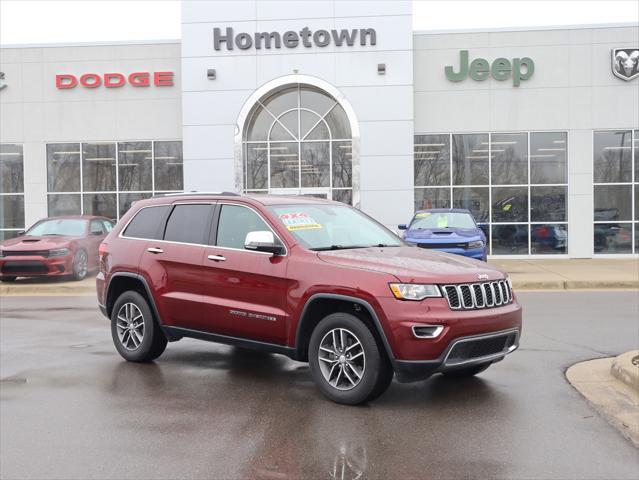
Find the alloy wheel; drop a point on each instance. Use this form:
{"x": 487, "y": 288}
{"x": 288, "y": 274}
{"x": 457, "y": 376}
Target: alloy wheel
{"x": 341, "y": 359}
{"x": 81, "y": 264}
{"x": 130, "y": 326}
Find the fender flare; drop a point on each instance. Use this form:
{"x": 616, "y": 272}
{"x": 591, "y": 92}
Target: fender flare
{"x": 142, "y": 280}
{"x": 332, "y": 296}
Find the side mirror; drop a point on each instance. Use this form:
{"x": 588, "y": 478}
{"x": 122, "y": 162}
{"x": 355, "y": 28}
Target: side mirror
{"x": 402, "y": 226}
{"x": 20, "y": 233}
{"x": 263, "y": 241}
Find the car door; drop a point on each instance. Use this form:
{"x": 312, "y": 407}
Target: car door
{"x": 245, "y": 291}
{"x": 174, "y": 264}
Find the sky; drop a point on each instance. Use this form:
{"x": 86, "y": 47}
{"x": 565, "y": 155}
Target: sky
{"x": 64, "y": 21}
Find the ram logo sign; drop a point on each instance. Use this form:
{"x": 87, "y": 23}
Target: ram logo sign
{"x": 625, "y": 63}
{"x": 3, "y": 85}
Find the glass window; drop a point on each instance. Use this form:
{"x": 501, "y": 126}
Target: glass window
{"x": 510, "y": 204}
{"x": 548, "y": 158}
{"x": 97, "y": 227}
{"x": 548, "y": 239}
{"x": 432, "y": 160}
{"x": 613, "y": 202}
{"x": 333, "y": 227}
{"x": 135, "y": 166}
{"x": 98, "y": 167}
{"x": 11, "y": 168}
{"x": 548, "y": 204}
{"x": 510, "y": 239}
{"x": 64, "y": 204}
{"x": 189, "y": 224}
{"x": 315, "y": 164}
{"x": 67, "y": 227}
{"x": 613, "y": 156}
{"x": 298, "y": 138}
{"x": 613, "y": 238}
{"x": 108, "y": 226}
{"x": 470, "y": 159}
{"x": 284, "y": 165}
{"x": 127, "y": 199}
{"x": 342, "y": 164}
{"x": 99, "y": 204}
{"x": 343, "y": 195}
{"x": 636, "y": 154}
{"x": 148, "y": 223}
{"x": 426, "y": 198}
{"x": 169, "y": 174}
{"x": 509, "y": 162}
{"x": 63, "y": 167}
{"x": 473, "y": 199}
{"x": 235, "y": 223}
{"x": 436, "y": 220}
{"x": 11, "y": 211}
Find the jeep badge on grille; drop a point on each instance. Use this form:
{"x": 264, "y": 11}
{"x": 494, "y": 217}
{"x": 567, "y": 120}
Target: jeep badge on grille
{"x": 482, "y": 276}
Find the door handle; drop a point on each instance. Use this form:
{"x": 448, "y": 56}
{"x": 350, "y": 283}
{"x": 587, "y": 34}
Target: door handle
{"x": 154, "y": 250}
{"x": 217, "y": 258}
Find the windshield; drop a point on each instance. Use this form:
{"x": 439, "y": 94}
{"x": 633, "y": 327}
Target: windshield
{"x": 435, "y": 220}
{"x": 333, "y": 227}
{"x": 66, "y": 227}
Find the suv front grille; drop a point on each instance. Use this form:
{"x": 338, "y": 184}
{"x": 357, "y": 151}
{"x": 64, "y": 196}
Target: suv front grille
{"x": 25, "y": 253}
{"x": 478, "y": 295}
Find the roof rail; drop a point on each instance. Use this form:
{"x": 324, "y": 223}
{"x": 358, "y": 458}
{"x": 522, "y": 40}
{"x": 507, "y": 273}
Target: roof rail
{"x": 194, "y": 192}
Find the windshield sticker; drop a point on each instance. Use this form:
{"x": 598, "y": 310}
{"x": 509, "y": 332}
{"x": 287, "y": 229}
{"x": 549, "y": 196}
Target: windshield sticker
{"x": 298, "y": 221}
{"x": 422, "y": 215}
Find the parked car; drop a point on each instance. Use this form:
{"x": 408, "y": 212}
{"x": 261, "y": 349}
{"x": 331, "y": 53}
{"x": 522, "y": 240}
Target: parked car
{"x": 451, "y": 230}
{"x": 316, "y": 280}
{"x": 53, "y": 247}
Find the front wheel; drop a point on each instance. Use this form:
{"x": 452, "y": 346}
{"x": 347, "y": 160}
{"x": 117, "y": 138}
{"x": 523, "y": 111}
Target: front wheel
{"x": 136, "y": 335}
{"x": 346, "y": 361}
{"x": 467, "y": 371}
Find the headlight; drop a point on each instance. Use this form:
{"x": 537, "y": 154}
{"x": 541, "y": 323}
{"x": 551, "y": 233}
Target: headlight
{"x": 413, "y": 291}
{"x": 476, "y": 244}
{"x": 59, "y": 252}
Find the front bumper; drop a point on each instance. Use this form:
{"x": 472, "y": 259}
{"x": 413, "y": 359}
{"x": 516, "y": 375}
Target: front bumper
{"x": 461, "y": 353}
{"x": 36, "y": 266}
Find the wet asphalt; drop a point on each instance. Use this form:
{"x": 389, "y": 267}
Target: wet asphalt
{"x": 70, "y": 407}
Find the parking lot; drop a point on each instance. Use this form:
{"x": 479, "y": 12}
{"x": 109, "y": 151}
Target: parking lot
{"x": 72, "y": 408}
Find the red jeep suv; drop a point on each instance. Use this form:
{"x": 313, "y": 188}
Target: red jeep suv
{"x": 315, "y": 280}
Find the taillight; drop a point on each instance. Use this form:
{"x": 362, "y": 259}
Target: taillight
{"x": 102, "y": 249}
{"x": 102, "y": 253}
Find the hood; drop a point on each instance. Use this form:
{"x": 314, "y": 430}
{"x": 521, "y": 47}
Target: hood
{"x": 412, "y": 264}
{"x": 36, "y": 243}
{"x": 443, "y": 235}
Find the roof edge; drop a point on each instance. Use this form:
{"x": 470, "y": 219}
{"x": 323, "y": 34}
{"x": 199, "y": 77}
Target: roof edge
{"x": 527, "y": 29}
{"x": 106, "y": 43}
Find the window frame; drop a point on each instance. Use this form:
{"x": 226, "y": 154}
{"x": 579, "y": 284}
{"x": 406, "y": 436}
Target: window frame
{"x": 16, "y": 194}
{"x": 207, "y": 228}
{"x": 489, "y": 185}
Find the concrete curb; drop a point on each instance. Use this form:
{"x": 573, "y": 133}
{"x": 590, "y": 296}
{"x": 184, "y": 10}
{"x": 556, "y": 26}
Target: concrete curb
{"x": 624, "y": 370}
{"x": 614, "y": 400}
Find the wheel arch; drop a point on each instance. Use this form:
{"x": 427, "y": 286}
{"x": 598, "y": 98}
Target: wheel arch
{"x": 124, "y": 281}
{"x": 321, "y": 304}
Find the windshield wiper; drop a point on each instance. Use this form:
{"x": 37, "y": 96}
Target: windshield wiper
{"x": 52, "y": 235}
{"x": 337, "y": 247}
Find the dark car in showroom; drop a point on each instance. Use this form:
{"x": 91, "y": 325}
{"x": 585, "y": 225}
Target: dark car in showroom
{"x": 53, "y": 247}
{"x": 450, "y": 230}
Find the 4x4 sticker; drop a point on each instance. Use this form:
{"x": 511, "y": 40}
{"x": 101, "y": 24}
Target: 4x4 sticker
{"x": 298, "y": 221}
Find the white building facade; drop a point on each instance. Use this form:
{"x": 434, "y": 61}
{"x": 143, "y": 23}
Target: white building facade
{"x": 535, "y": 131}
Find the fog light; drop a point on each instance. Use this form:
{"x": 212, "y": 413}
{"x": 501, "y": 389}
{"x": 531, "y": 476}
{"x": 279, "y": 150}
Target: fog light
{"x": 427, "y": 331}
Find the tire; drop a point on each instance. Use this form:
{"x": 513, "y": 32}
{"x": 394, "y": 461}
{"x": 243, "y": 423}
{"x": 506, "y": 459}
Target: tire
{"x": 368, "y": 372}
{"x": 80, "y": 265}
{"x": 125, "y": 319}
{"x": 467, "y": 371}
{"x": 8, "y": 279}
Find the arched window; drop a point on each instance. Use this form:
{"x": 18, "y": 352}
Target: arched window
{"x": 297, "y": 140}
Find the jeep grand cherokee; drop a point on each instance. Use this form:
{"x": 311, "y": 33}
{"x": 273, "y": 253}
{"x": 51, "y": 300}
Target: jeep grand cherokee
{"x": 315, "y": 280}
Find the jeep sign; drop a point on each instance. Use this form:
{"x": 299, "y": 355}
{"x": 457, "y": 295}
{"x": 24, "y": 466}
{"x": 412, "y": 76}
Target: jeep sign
{"x": 292, "y": 39}
{"x": 501, "y": 69}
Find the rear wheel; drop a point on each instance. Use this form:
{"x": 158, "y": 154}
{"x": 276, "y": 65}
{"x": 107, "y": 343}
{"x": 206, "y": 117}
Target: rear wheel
{"x": 136, "y": 335}
{"x": 467, "y": 371}
{"x": 80, "y": 265}
{"x": 8, "y": 279}
{"x": 346, "y": 362}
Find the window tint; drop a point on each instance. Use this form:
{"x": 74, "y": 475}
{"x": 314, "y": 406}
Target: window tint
{"x": 235, "y": 222}
{"x": 188, "y": 224}
{"x": 146, "y": 223}
{"x": 97, "y": 227}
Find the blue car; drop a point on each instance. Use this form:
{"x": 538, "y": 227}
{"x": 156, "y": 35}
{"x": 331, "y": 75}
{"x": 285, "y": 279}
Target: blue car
{"x": 451, "y": 230}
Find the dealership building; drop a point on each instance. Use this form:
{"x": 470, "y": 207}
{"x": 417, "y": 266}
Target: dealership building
{"x": 535, "y": 131}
